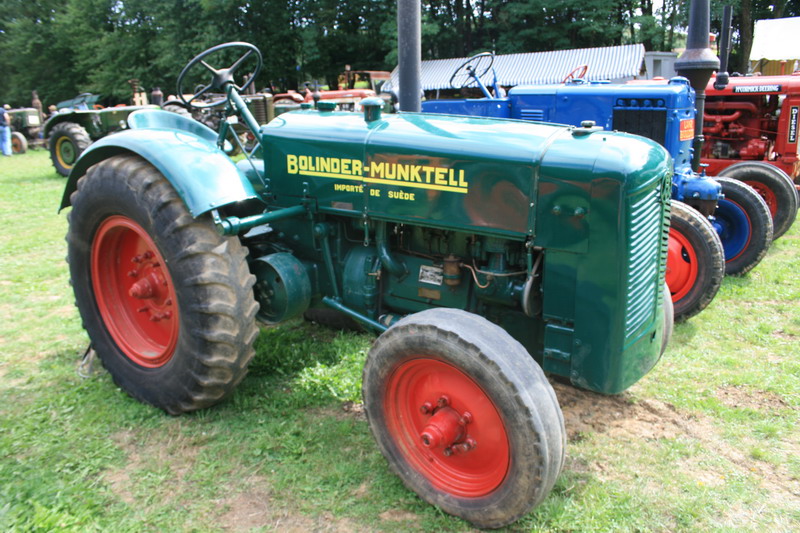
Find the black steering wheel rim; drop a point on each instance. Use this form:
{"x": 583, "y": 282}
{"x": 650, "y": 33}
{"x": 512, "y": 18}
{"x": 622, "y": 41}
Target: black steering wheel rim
{"x": 475, "y": 64}
{"x": 220, "y": 78}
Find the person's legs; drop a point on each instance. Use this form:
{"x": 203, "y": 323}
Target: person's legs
{"x": 5, "y": 140}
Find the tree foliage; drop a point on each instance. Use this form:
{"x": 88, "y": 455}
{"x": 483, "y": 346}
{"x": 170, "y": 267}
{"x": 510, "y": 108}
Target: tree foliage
{"x": 64, "y": 47}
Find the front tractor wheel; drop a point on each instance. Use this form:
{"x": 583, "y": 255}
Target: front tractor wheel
{"x": 464, "y": 416}
{"x": 695, "y": 261}
{"x": 66, "y": 143}
{"x": 19, "y": 144}
{"x": 774, "y": 186}
{"x": 167, "y": 302}
{"x": 744, "y": 225}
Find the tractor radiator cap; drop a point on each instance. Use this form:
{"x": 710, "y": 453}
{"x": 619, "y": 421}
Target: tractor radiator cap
{"x": 372, "y": 108}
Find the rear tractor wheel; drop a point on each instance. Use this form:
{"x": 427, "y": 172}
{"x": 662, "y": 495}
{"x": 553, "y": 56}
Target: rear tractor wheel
{"x": 167, "y": 302}
{"x": 774, "y": 186}
{"x": 744, "y": 225}
{"x": 464, "y": 416}
{"x": 695, "y": 261}
{"x": 66, "y": 143}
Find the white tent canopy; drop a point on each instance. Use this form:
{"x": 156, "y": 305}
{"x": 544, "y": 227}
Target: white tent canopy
{"x": 776, "y": 40}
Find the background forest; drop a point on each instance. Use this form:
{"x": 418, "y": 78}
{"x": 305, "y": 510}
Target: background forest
{"x": 63, "y": 47}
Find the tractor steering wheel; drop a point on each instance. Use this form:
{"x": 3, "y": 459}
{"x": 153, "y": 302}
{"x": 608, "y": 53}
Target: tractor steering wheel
{"x": 475, "y": 67}
{"x": 577, "y": 72}
{"x": 220, "y": 78}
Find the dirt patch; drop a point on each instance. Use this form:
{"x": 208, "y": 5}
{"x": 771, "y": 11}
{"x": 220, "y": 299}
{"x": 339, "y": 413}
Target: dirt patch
{"x": 627, "y": 418}
{"x": 396, "y": 515}
{"x": 744, "y": 398}
{"x": 172, "y": 451}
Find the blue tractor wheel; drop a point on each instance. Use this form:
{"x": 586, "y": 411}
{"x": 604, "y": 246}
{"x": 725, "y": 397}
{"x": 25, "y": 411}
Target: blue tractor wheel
{"x": 743, "y": 222}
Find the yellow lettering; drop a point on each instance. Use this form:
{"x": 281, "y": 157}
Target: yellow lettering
{"x": 324, "y": 164}
{"x": 391, "y": 170}
{"x": 345, "y": 166}
{"x": 335, "y": 165}
{"x": 356, "y": 167}
{"x": 441, "y": 176}
{"x": 374, "y": 192}
{"x": 461, "y": 181}
{"x": 415, "y": 173}
{"x": 402, "y": 172}
{"x": 291, "y": 164}
{"x": 376, "y": 169}
{"x": 428, "y": 171}
{"x": 451, "y": 177}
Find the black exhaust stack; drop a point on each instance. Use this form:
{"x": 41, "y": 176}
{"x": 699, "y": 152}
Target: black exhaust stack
{"x": 409, "y": 53}
{"x": 697, "y": 63}
{"x": 724, "y": 48}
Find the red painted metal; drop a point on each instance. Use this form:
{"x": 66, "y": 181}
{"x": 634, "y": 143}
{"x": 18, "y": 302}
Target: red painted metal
{"x": 467, "y": 450}
{"x": 754, "y": 118}
{"x": 681, "y": 265}
{"x": 767, "y": 194}
{"x": 134, "y": 292}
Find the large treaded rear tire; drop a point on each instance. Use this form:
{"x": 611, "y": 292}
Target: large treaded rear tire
{"x": 774, "y": 186}
{"x": 455, "y": 359}
{"x": 126, "y": 221}
{"x": 66, "y": 143}
{"x": 695, "y": 261}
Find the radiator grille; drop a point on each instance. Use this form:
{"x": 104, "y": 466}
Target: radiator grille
{"x": 532, "y": 114}
{"x": 645, "y": 271}
{"x": 650, "y": 123}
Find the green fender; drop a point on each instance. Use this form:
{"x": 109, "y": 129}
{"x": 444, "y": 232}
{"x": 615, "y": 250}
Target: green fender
{"x": 182, "y": 149}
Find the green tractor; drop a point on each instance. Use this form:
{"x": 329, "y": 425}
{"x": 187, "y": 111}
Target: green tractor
{"x": 484, "y": 252}
{"x": 26, "y": 127}
{"x": 78, "y": 123}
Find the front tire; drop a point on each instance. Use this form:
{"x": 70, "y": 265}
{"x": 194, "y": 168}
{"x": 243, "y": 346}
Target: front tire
{"x": 464, "y": 416}
{"x": 66, "y": 143}
{"x": 167, "y": 302}
{"x": 744, "y": 225}
{"x": 695, "y": 261}
{"x": 774, "y": 186}
{"x": 19, "y": 144}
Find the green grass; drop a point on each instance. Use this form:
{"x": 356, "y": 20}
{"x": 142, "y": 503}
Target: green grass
{"x": 707, "y": 441}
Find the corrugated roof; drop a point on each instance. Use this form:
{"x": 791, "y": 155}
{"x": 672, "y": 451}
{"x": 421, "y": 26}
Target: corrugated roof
{"x": 609, "y": 63}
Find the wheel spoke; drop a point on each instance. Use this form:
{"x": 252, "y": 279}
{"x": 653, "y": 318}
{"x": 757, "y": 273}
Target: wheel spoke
{"x": 209, "y": 67}
{"x": 240, "y": 61}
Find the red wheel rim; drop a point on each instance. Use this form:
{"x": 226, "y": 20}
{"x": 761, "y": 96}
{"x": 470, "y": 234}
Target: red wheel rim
{"x": 767, "y": 194}
{"x": 134, "y": 292}
{"x": 681, "y": 265}
{"x": 470, "y": 474}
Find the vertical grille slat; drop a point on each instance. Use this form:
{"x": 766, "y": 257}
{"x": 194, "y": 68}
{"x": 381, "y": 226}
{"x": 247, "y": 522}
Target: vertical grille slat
{"x": 644, "y": 265}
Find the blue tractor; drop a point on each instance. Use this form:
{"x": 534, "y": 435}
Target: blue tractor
{"x": 718, "y": 225}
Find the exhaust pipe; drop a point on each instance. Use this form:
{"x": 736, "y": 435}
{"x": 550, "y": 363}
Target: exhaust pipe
{"x": 697, "y": 63}
{"x": 724, "y": 48}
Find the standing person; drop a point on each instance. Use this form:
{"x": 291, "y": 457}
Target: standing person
{"x": 5, "y": 130}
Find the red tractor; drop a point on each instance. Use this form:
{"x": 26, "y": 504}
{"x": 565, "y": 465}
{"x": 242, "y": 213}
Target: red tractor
{"x": 751, "y": 134}
{"x": 354, "y": 86}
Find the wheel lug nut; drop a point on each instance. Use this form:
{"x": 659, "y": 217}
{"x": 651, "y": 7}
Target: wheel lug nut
{"x": 448, "y": 451}
{"x": 133, "y": 273}
{"x": 168, "y": 301}
{"x": 443, "y": 401}
{"x": 143, "y": 309}
{"x": 466, "y": 418}
{"x": 137, "y": 259}
{"x": 426, "y": 408}
{"x": 148, "y": 255}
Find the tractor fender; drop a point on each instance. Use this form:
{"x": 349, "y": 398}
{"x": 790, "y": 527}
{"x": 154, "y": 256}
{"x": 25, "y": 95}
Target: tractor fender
{"x": 182, "y": 149}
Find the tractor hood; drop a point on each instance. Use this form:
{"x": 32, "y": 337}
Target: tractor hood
{"x": 482, "y": 175}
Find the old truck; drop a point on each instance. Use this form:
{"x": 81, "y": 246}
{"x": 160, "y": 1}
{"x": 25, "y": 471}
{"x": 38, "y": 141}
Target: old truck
{"x": 484, "y": 252}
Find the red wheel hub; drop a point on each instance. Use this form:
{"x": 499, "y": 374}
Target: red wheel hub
{"x": 446, "y": 427}
{"x": 134, "y": 292}
{"x": 681, "y": 265}
{"x": 767, "y": 194}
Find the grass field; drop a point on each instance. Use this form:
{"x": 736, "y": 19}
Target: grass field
{"x": 707, "y": 441}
